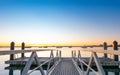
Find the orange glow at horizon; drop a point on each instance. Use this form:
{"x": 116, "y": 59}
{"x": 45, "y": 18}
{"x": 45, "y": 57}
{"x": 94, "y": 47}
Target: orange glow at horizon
{"x": 58, "y": 44}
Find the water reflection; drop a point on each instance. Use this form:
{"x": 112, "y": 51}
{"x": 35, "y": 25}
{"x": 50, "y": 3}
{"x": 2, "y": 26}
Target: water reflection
{"x": 10, "y": 72}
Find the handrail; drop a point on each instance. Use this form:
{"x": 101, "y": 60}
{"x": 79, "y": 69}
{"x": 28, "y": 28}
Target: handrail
{"x": 53, "y": 67}
{"x": 88, "y": 66}
{"x": 22, "y": 51}
{"x": 114, "y": 52}
{"x": 93, "y": 57}
{"x": 58, "y": 55}
{"x": 6, "y": 52}
{"x": 77, "y": 67}
{"x": 31, "y": 59}
{"x": 40, "y": 65}
{"x": 29, "y": 62}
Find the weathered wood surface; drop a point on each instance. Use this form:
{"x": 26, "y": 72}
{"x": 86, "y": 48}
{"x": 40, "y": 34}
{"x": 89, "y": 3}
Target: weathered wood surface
{"x": 6, "y": 52}
{"x": 113, "y": 52}
{"x": 65, "y": 67}
{"x": 22, "y": 61}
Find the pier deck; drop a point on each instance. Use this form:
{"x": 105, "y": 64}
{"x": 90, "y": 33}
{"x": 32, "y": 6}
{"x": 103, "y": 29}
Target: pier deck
{"x": 58, "y": 65}
{"x": 65, "y": 67}
{"x": 22, "y": 61}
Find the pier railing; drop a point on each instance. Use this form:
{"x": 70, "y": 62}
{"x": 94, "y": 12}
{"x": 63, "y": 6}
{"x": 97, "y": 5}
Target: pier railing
{"x": 34, "y": 57}
{"x": 94, "y": 58}
{"x": 55, "y": 59}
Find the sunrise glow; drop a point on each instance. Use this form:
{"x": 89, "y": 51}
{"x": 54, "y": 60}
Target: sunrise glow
{"x": 59, "y": 22}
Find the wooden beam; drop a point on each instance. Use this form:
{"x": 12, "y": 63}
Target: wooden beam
{"x": 7, "y": 52}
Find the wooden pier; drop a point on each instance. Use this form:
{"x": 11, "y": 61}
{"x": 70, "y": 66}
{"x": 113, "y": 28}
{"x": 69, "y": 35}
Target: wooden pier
{"x": 106, "y": 62}
{"x": 58, "y": 65}
{"x": 66, "y": 66}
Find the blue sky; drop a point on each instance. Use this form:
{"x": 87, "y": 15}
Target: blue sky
{"x": 68, "y": 22}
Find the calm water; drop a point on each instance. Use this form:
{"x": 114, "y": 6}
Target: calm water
{"x": 66, "y": 52}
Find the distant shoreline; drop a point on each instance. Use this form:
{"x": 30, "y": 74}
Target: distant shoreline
{"x": 55, "y": 46}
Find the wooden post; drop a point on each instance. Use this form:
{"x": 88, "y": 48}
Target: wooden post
{"x": 23, "y": 48}
{"x": 72, "y": 53}
{"x": 60, "y": 54}
{"x": 105, "y": 55}
{"x": 115, "y": 47}
{"x": 51, "y": 54}
{"x": 105, "y": 48}
{"x": 79, "y": 54}
{"x": 12, "y": 45}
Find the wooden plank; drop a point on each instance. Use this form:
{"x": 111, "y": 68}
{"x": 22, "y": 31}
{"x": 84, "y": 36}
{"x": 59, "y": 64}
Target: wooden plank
{"x": 113, "y": 52}
{"x": 22, "y": 61}
{"x": 65, "y": 67}
{"x": 6, "y": 52}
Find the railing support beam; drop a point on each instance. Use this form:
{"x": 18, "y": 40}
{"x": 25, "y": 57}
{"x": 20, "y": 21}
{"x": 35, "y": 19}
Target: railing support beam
{"x": 28, "y": 64}
{"x": 97, "y": 62}
{"x": 81, "y": 64}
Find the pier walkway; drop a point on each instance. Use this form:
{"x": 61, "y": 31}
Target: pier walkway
{"x": 58, "y": 65}
{"x": 65, "y": 67}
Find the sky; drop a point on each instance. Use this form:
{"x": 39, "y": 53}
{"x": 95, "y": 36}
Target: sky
{"x": 59, "y": 22}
